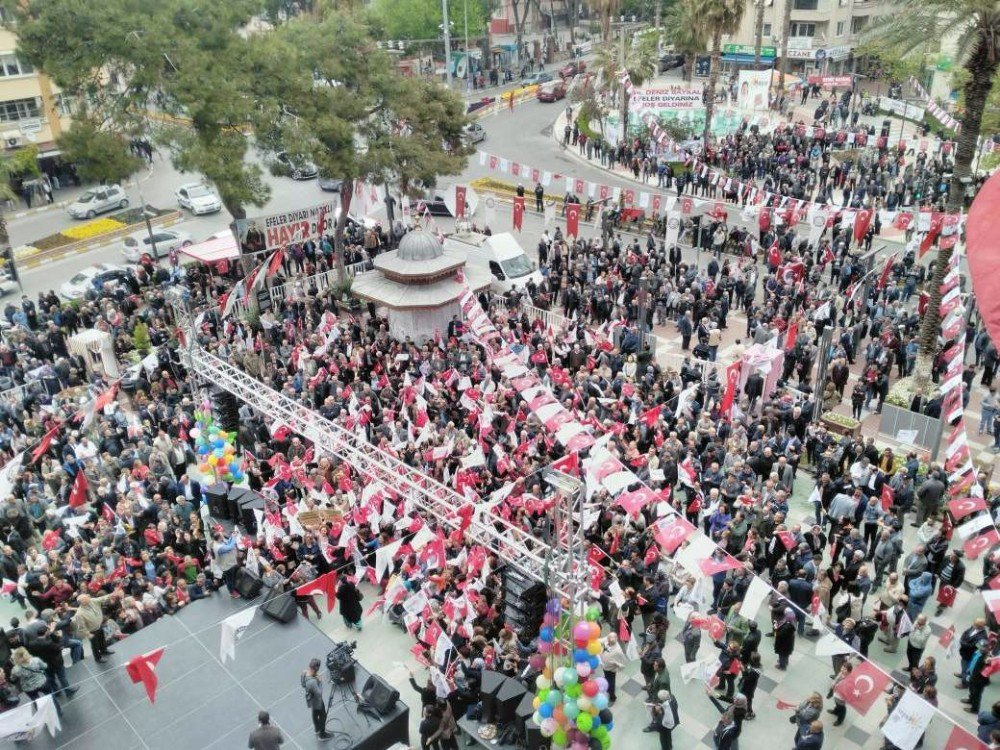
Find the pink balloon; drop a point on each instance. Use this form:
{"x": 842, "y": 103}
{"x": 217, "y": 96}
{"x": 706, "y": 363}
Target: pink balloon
{"x": 583, "y": 669}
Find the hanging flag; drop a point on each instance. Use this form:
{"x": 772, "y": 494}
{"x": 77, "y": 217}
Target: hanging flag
{"x": 729, "y": 396}
{"x": 78, "y": 495}
{"x": 862, "y": 688}
{"x": 572, "y": 220}
{"x": 979, "y": 544}
{"x": 142, "y": 668}
{"x": 233, "y": 628}
{"x": 518, "y": 211}
{"x": 961, "y": 739}
{"x": 326, "y": 585}
{"x": 906, "y": 725}
{"x": 963, "y": 506}
{"x": 712, "y": 565}
{"x": 862, "y": 220}
{"x": 459, "y": 201}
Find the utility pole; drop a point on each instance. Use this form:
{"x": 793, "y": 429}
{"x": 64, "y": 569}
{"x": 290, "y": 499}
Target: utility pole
{"x": 621, "y": 67}
{"x": 468, "y": 56}
{"x": 447, "y": 42}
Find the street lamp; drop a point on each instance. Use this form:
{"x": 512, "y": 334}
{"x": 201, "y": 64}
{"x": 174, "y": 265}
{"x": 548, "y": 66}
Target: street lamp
{"x": 446, "y": 28}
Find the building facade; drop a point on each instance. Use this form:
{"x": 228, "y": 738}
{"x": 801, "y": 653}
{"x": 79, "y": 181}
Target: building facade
{"x": 823, "y": 34}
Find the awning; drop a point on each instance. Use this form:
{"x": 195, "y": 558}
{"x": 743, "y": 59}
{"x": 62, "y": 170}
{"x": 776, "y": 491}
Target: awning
{"x": 215, "y": 249}
{"x": 747, "y": 59}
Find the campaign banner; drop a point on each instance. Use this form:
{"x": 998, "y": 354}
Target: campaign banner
{"x": 754, "y": 86}
{"x": 665, "y": 98}
{"x": 278, "y": 230}
{"x": 901, "y": 108}
{"x": 832, "y": 82}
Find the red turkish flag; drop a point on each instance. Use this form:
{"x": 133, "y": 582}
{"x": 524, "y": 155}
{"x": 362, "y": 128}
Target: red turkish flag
{"x": 961, "y": 739}
{"x": 787, "y": 539}
{"x": 791, "y": 335}
{"x": 935, "y": 230}
{"x": 902, "y": 221}
{"x": 629, "y": 197}
{"x": 572, "y": 219}
{"x": 579, "y": 186}
{"x": 459, "y": 201}
{"x": 732, "y": 381}
{"x": 947, "y": 636}
{"x": 78, "y": 495}
{"x": 887, "y": 496}
{"x": 862, "y": 220}
{"x": 773, "y": 255}
{"x": 710, "y": 565}
{"x": 949, "y": 231}
{"x": 672, "y": 534}
{"x": 687, "y": 205}
{"x": 634, "y": 502}
{"x": 716, "y": 628}
{"x": 326, "y": 585}
{"x": 977, "y": 545}
{"x": 718, "y": 212}
{"x": 141, "y": 668}
{"x": 518, "y": 212}
{"x": 862, "y": 688}
{"x": 515, "y": 169}
{"x": 886, "y": 270}
{"x": 651, "y": 416}
{"x": 494, "y": 162}
{"x": 603, "y": 192}
{"x": 45, "y": 442}
{"x": 657, "y": 203}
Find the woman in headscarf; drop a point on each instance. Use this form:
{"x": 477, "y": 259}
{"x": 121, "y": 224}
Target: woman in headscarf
{"x": 784, "y": 637}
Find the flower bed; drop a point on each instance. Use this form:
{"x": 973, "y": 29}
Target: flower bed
{"x": 841, "y": 424}
{"x": 92, "y": 228}
{"x": 132, "y": 217}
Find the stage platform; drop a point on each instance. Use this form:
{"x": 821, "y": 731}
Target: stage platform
{"x": 201, "y": 704}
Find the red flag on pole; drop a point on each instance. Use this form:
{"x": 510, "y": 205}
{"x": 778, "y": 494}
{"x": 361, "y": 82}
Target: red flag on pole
{"x": 45, "y": 442}
{"x": 651, "y": 416}
{"x": 729, "y": 396}
{"x": 887, "y": 496}
{"x": 326, "y": 585}
{"x": 773, "y": 255}
{"x": 791, "y": 335}
{"x": 459, "y": 201}
{"x": 141, "y": 668}
{"x": 572, "y": 219}
{"x": 78, "y": 495}
{"x": 862, "y": 220}
{"x": 568, "y": 464}
{"x": 518, "y": 211}
{"x": 884, "y": 278}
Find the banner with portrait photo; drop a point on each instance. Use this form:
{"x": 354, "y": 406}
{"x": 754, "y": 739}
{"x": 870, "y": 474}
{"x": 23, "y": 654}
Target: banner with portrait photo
{"x": 754, "y": 89}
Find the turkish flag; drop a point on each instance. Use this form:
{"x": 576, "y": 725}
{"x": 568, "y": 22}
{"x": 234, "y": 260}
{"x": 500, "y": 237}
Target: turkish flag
{"x": 572, "y": 219}
{"x": 657, "y": 204}
{"x": 773, "y": 255}
{"x": 949, "y": 231}
{"x": 629, "y": 196}
{"x": 787, "y": 539}
{"x": 791, "y": 335}
{"x": 960, "y": 739}
{"x": 710, "y": 565}
{"x": 947, "y": 636}
{"x": 862, "y": 688}
{"x": 78, "y": 495}
{"x": 459, "y": 201}
{"x": 935, "y": 230}
{"x": 141, "y": 668}
{"x": 687, "y": 205}
{"x": 326, "y": 585}
{"x": 672, "y": 534}
{"x": 494, "y": 162}
{"x": 518, "y": 211}
{"x": 718, "y": 212}
{"x": 568, "y": 464}
{"x": 977, "y": 545}
{"x": 902, "y": 221}
{"x": 651, "y": 416}
{"x": 862, "y": 220}
{"x": 732, "y": 381}
{"x": 886, "y": 270}
{"x": 45, "y": 442}
{"x": 579, "y": 186}
{"x": 716, "y": 627}
{"x": 887, "y": 496}
{"x": 792, "y": 273}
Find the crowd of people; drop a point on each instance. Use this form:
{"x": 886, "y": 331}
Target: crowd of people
{"x": 135, "y": 546}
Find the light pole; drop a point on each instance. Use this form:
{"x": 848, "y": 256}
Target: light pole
{"x": 445, "y": 27}
{"x": 468, "y": 56}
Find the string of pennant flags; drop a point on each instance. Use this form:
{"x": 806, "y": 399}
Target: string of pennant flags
{"x": 932, "y": 106}
{"x": 702, "y": 556}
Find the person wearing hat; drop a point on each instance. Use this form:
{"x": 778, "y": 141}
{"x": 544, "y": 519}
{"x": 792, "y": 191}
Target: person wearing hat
{"x": 312, "y": 683}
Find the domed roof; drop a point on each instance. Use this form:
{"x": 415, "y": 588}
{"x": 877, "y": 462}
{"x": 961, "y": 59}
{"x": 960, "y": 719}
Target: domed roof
{"x": 419, "y": 245}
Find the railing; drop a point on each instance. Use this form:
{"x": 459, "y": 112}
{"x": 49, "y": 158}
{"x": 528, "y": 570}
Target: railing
{"x": 300, "y": 286}
{"x": 924, "y": 432}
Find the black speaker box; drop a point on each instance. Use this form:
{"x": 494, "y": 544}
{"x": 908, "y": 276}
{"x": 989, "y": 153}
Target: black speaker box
{"x": 234, "y": 500}
{"x": 248, "y": 584}
{"x": 278, "y": 607}
{"x": 508, "y": 698}
{"x": 217, "y": 496}
{"x": 248, "y": 503}
{"x": 226, "y": 410}
{"x": 379, "y": 694}
{"x": 533, "y": 739}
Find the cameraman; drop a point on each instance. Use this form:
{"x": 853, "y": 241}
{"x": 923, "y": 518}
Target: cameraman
{"x": 312, "y": 683}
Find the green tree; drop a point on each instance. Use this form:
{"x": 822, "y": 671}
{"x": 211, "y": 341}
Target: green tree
{"x": 903, "y": 32}
{"x": 718, "y": 17}
{"x": 786, "y": 27}
{"x": 327, "y": 93}
{"x": 640, "y": 59}
{"x": 99, "y": 155}
{"x": 421, "y": 19}
{"x": 686, "y": 32}
{"x": 14, "y": 165}
{"x": 183, "y": 63}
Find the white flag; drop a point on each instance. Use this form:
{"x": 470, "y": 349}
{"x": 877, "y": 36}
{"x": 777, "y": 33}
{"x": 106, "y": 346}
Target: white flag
{"x": 831, "y": 645}
{"x": 908, "y": 721}
{"x": 23, "y": 723}
{"x": 755, "y": 596}
{"x": 632, "y": 649}
{"x": 383, "y": 558}
{"x": 978, "y": 523}
{"x": 233, "y": 628}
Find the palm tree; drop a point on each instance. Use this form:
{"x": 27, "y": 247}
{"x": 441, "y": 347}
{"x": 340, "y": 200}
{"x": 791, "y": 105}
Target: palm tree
{"x": 717, "y": 17}
{"x": 903, "y": 33}
{"x": 686, "y": 32}
{"x": 606, "y": 10}
{"x": 758, "y": 32}
{"x": 640, "y": 60}
{"x": 786, "y": 27}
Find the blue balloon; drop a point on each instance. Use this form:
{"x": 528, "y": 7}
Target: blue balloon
{"x": 202, "y": 450}
{"x": 546, "y": 635}
{"x": 596, "y": 722}
{"x": 594, "y": 661}
{"x": 545, "y": 710}
{"x": 580, "y": 654}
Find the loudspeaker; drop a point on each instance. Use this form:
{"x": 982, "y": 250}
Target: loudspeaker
{"x": 233, "y": 501}
{"x": 248, "y": 503}
{"x": 226, "y": 410}
{"x": 217, "y": 496}
{"x": 533, "y": 737}
{"x": 278, "y": 607}
{"x": 248, "y": 584}
{"x": 508, "y": 698}
{"x": 379, "y": 694}
{"x": 524, "y": 602}
{"x": 490, "y": 683}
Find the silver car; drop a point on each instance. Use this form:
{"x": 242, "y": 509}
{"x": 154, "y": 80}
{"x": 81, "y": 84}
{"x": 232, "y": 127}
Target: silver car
{"x": 136, "y": 245}
{"x": 98, "y": 200}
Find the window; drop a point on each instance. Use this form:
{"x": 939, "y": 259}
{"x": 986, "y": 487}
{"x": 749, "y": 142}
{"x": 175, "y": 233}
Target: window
{"x": 65, "y": 105}
{"x": 766, "y": 31}
{"x": 858, "y": 23}
{"x": 18, "y": 109}
{"x": 840, "y": 28}
{"x": 11, "y": 66}
{"x": 806, "y": 4}
{"x": 802, "y": 29}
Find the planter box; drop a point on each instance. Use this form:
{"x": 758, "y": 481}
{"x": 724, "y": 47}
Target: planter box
{"x": 838, "y": 429}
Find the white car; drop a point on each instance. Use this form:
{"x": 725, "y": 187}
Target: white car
{"x": 136, "y": 245}
{"x": 98, "y": 200}
{"x": 92, "y": 277}
{"x": 198, "y": 199}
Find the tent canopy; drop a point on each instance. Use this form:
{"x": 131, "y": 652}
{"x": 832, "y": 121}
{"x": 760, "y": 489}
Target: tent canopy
{"x": 215, "y": 249}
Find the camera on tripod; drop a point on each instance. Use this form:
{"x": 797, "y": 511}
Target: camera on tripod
{"x": 340, "y": 662}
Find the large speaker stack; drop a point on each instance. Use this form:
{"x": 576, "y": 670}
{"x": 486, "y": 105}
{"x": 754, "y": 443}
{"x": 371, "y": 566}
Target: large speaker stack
{"x": 226, "y": 410}
{"x": 523, "y": 602}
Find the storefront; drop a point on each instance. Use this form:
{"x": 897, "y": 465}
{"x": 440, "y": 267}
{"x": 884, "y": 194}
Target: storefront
{"x": 737, "y": 56}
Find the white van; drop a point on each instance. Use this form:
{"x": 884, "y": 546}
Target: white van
{"x": 501, "y": 254}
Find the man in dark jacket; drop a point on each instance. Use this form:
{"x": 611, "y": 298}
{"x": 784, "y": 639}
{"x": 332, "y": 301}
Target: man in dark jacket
{"x": 311, "y": 683}
{"x": 265, "y": 737}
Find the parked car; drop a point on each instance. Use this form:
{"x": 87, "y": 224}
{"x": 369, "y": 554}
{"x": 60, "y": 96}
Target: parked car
{"x": 474, "y": 133}
{"x": 330, "y": 184}
{"x": 98, "y": 200}
{"x": 670, "y": 61}
{"x": 551, "y": 92}
{"x": 198, "y": 198}
{"x": 537, "y": 79}
{"x": 296, "y": 167}
{"x": 92, "y": 277}
{"x": 572, "y": 68}
{"x": 136, "y": 245}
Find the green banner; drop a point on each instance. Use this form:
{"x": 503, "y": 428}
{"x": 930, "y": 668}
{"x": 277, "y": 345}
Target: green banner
{"x": 748, "y": 49}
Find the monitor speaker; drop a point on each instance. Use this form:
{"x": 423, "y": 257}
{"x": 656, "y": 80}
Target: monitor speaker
{"x": 379, "y": 694}
{"x": 218, "y": 496}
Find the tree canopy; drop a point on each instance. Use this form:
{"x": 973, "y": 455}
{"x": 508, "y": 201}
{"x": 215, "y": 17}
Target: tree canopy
{"x": 421, "y": 19}
{"x": 99, "y": 155}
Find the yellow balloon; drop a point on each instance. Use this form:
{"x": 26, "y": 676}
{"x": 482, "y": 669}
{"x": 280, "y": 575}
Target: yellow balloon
{"x": 594, "y": 648}
{"x": 537, "y": 702}
{"x": 547, "y": 673}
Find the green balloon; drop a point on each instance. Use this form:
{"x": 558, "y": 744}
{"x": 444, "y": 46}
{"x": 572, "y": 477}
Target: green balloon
{"x": 584, "y": 722}
{"x": 593, "y": 614}
{"x": 543, "y": 694}
{"x": 559, "y": 737}
{"x": 574, "y": 690}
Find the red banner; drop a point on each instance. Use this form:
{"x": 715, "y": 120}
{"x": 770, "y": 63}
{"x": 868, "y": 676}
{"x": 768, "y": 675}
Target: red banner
{"x": 518, "y": 212}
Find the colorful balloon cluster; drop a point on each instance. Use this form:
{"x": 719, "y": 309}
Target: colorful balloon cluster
{"x": 571, "y": 701}
{"x": 216, "y": 450}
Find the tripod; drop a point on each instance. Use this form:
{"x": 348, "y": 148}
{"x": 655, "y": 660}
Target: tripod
{"x": 341, "y": 693}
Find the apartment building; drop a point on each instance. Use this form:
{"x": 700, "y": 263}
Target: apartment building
{"x": 32, "y": 111}
{"x": 823, "y": 34}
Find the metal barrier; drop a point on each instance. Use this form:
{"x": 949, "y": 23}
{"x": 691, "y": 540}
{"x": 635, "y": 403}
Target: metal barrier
{"x": 928, "y": 430}
{"x": 301, "y": 286}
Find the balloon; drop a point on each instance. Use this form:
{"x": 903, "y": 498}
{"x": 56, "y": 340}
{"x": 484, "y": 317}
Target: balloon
{"x": 554, "y": 698}
{"x": 582, "y": 630}
{"x": 536, "y": 718}
{"x": 559, "y": 737}
{"x": 583, "y": 703}
{"x": 570, "y": 677}
{"x": 542, "y": 683}
{"x": 594, "y": 648}
{"x": 550, "y": 620}
{"x": 584, "y": 722}
{"x": 544, "y": 648}
{"x": 549, "y": 727}
{"x": 546, "y": 635}
{"x": 553, "y": 606}
{"x": 573, "y": 691}
{"x": 594, "y": 662}
{"x": 537, "y": 662}
{"x": 213, "y": 460}
{"x": 572, "y": 711}
{"x": 601, "y": 730}
{"x": 545, "y": 710}
{"x": 559, "y": 713}
{"x": 195, "y": 432}
{"x": 583, "y": 670}
{"x": 606, "y": 717}
{"x": 536, "y": 702}
{"x": 595, "y": 631}
{"x": 601, "y": 701}
{"x": 593, "y": 614}
{"x": 589, "y": 688}
{"x": 580, "y": 654}
{"x": 542, "y": 695}
{"x": 602, "y": 684}
{"x": 596, "y": 725}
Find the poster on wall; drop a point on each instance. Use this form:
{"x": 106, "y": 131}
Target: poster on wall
{"x": 753, "y": 89}
{"x": 659, "y": 98}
